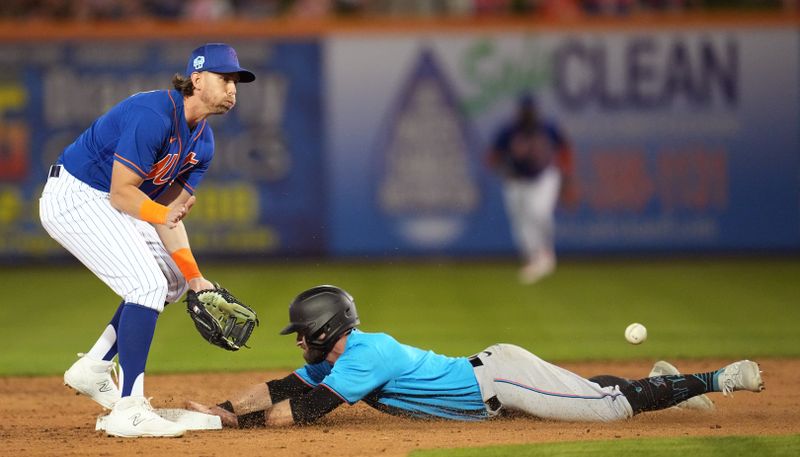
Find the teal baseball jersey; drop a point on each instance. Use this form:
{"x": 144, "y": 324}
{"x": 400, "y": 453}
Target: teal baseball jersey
{"x": 400, "y": 379}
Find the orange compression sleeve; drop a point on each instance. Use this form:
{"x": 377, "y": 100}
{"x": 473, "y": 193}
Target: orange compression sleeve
{"x": 151, "y": 211}
{"x": 185, "y": 260}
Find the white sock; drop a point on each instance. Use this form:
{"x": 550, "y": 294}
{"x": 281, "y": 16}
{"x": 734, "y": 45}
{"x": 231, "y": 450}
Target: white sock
{"x": 104, "y": 343}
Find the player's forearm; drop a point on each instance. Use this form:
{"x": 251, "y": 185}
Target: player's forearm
{"x": 176, "y": 241}
{"x": 125, "y": 196}
{"x": 175, "y": 238}
{"x": 132, "y": 201}
{"x": 280, "y": 415}
{"x": 258, "y": 407}
{"x": 248, "y": 408}
{"x": 255, "y": 398}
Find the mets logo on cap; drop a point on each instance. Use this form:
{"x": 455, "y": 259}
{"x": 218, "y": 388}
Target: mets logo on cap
{"x": 198, "y": 62}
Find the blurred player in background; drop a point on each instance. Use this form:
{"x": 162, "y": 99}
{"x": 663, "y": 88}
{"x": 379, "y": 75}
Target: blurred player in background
{"x": 346, "y": 365}
{"x": 116, "y": 198}
{"x": 535, "y": 160}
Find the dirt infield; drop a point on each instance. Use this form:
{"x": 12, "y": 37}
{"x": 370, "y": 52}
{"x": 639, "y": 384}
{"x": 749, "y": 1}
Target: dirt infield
{"x": 42, "y": 417}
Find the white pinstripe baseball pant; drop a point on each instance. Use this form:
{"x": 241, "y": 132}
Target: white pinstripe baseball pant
{"x": 124, "y": 252}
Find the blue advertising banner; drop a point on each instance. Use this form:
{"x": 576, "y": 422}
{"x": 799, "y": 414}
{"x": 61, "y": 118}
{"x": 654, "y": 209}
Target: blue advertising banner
{"x": 683, "y": 140}
{"x": 263, "y": 193}
{"x": 405, "y": 160}
{"x": 374, "y": 144}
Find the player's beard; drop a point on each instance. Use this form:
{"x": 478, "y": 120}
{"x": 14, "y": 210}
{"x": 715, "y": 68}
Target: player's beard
{"x": 223, "y": 107}
{"x": 227, "y": 104}
{"x": 220, "y": 106}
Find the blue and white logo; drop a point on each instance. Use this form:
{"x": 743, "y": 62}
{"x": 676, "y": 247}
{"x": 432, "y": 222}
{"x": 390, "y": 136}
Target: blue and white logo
{"x": 198, "y": 62}
{"x": 427, "y": 185}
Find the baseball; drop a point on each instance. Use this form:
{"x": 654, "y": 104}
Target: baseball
{"x": 636, "y": 333}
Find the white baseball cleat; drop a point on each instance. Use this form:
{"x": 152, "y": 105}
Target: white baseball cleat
{"x": 133, "y": 417}
{"x": 92, "y": 377}
{"x": 741, "y": 375}
{"x": 698, "y": 402}
{"x": 533, "y": 271}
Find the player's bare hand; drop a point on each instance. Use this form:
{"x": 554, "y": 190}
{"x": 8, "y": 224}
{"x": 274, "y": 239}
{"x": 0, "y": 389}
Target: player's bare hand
{"x": 176, "y": 214}
{"x": 198, "y": 407}
{"x": 201, "y": 283}
{"x": 178, "y": 211}
{"x": 228, "y": 419}
{"x": 189, "y": 203}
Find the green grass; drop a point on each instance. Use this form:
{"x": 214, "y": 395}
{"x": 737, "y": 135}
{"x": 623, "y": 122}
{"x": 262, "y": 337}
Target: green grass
{"x": 692, "y": 309}
{"x": 770, "y": 446}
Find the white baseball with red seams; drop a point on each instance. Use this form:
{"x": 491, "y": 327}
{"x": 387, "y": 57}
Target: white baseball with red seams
{"x": 636, "y": 333}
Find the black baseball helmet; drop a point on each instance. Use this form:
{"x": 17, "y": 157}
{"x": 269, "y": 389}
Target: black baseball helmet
{"x": 322, "y": 314}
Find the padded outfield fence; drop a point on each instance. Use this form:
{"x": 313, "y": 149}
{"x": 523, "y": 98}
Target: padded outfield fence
{"x": 686, "y": 130}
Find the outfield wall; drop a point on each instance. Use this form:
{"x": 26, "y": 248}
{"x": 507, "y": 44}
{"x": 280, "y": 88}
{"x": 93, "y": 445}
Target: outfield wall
{"x": 369, "y": 140}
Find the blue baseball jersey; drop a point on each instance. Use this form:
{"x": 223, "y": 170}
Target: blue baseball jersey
{"x": 400, "y": 379}
{"x": 148, "y": 133}
{"x": 526, "y": 153}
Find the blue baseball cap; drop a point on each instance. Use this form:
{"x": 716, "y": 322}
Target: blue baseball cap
{"x": 218, "y": 58}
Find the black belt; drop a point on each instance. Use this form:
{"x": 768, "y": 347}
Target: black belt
{"x": 493, "y": 403}
{"x": 55, "y": 170}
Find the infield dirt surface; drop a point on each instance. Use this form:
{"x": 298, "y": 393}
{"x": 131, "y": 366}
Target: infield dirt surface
{"x": 42, "y": 417}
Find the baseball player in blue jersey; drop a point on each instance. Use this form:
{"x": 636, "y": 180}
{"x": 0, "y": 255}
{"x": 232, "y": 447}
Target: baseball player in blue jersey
{"x": 534, "y": 159}
{"x": 346, "y": 365}
{"x": 115, "y": 199}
